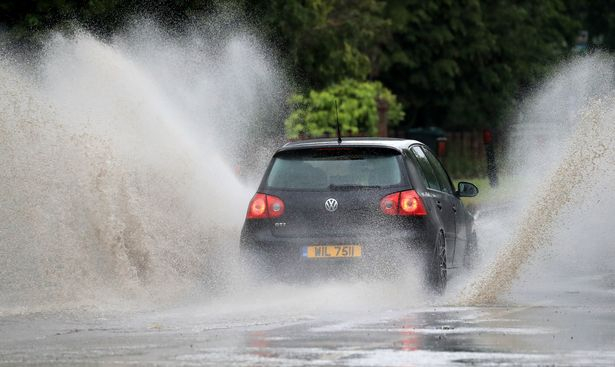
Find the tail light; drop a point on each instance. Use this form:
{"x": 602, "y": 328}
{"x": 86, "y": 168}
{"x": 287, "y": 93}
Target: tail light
{"x": 403, "y": 203}
{"x": 265, "y": 206}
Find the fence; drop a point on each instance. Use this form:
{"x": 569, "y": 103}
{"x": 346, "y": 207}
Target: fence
{"x": 465, "y": 155}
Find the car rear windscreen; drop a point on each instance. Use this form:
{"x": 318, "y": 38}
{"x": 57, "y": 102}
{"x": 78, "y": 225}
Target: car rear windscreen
{"x": 335, "y": 168}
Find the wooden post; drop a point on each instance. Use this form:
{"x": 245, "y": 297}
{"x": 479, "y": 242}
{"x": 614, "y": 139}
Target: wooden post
{"x": 383, "y": 121}
{"x": 492, "y": 170}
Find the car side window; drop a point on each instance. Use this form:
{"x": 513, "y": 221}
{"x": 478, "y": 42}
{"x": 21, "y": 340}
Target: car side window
{"x": 445, "y": 182}
{"x": 430, "y": 177}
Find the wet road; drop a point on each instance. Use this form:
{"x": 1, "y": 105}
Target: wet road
{"x": 559, "y": 313}
{"x": 534, "y": 335}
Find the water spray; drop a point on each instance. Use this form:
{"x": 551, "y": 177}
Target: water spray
{"x": 581, "y": 155}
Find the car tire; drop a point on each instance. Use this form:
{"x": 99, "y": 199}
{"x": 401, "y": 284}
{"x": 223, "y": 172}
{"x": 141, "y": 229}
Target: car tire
{"x": 437, "y": 270}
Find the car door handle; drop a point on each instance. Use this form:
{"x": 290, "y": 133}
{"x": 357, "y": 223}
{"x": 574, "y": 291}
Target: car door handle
{"x": 454, "y": 208}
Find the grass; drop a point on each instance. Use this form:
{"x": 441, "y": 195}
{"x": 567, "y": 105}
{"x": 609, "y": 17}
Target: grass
{"x": 488, "y": 195}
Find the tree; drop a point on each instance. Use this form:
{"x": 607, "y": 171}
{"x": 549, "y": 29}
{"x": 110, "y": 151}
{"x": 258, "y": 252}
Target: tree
{"x": 314, "y": 114}
{"x": 433, "y": 41}
{"x": 460, "y": 64}
{"x": 530, "y": 37}
{"x": 453, "y": 64}
{"x": 326, "y": 41}
{"x": 26, "y": 19}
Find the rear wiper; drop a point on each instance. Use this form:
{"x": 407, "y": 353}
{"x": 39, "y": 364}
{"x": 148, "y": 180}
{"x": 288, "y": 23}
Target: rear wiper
{"x": 352, "y": 187}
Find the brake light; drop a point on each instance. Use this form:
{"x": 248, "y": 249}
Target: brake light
{"x": 265, "y": 206}
{"x": 410, "y": 203}
{"x": 389, "y": 204}
{"x": 275, "y": 205}
{"x": 403, "y": 203}
{"x": 257, "y": 207}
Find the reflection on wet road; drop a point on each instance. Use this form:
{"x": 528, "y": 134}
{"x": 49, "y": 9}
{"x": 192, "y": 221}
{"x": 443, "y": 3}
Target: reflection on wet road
{"x": 534, "y": 335}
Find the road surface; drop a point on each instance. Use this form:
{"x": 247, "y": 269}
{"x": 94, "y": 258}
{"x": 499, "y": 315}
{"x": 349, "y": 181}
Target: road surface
{"x": 240, "y": 331}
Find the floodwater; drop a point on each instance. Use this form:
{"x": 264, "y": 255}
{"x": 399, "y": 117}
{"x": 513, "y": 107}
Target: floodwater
{"x": 126, "y": 167}
{"x": 332, "y": 324}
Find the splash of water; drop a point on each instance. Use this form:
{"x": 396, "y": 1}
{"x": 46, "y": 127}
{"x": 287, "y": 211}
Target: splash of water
{"x": 116, "y": 164}
{"x": 562, "y": 153}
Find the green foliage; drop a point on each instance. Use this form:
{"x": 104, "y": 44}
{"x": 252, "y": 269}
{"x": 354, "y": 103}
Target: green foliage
{"x": 314, "y": 114}
{"x": 465, "y": 61}
{"x": 434, "y": 43}
{"x": 326, "y": 41}
{"x": 26, "y": 18}
{"x": 456, "y": 64}
{"x": 530, "y": 37}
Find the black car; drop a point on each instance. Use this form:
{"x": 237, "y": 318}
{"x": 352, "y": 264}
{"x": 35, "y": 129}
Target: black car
{"x": 366, "y": 204}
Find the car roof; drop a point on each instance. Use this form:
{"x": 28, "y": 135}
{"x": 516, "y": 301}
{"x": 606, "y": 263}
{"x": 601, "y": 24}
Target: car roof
{"x": 391, "y": 143}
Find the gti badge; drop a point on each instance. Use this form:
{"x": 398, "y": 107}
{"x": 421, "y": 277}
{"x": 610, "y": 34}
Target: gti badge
{"x": 331, "y": 204}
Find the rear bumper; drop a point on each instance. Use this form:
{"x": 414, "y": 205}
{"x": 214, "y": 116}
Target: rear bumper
{"x": 286, "y": 257}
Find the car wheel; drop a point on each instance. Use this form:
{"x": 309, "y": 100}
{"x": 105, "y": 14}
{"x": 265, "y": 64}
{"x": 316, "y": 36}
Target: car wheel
{"x": 470, "y": 257}
{"x": 437, "y": 272}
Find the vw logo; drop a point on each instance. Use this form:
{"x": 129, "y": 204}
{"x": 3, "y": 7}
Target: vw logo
{"x": 331, "y": 204}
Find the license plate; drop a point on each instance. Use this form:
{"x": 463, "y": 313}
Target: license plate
{"x": 331, "y": 251}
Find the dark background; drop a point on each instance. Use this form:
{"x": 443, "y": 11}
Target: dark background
{"x": 458, "y": 65}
